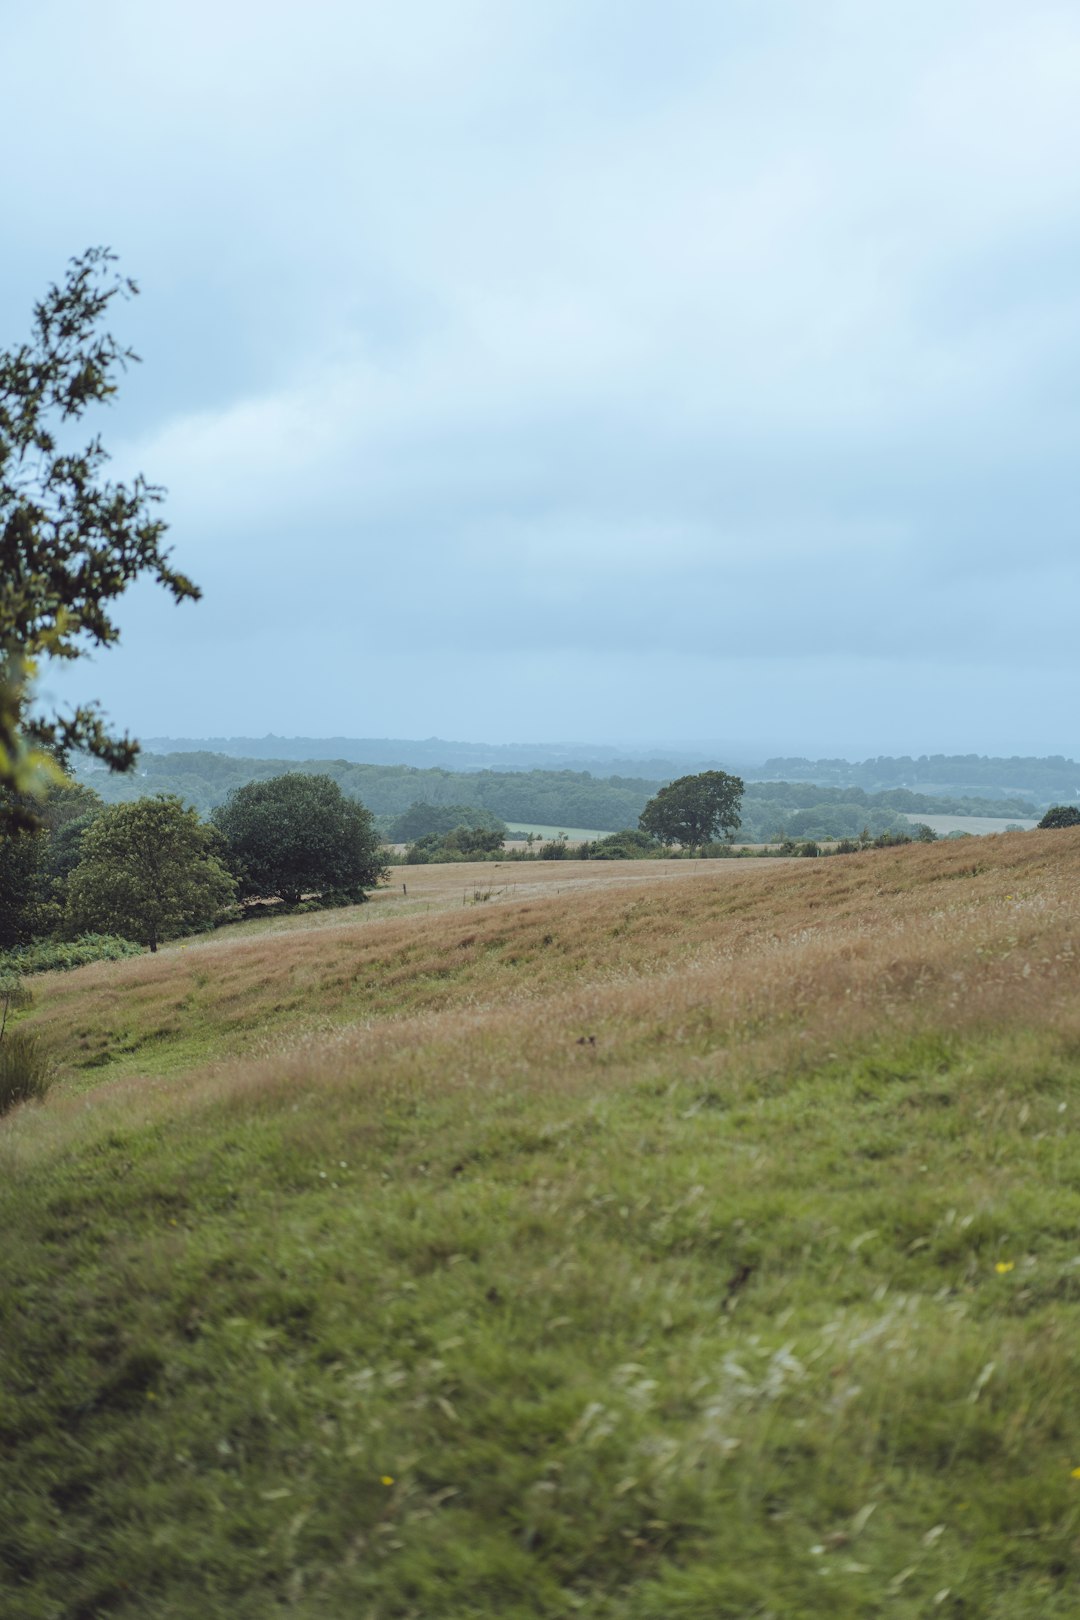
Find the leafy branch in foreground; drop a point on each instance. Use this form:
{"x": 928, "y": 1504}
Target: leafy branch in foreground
{"x": 71, "y": 541}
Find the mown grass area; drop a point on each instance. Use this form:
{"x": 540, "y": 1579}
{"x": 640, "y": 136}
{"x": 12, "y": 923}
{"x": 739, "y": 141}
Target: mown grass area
{"x": 691, "y": 1249}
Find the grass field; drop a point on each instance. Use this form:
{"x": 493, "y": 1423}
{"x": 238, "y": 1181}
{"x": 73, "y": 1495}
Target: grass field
{"x": 979, "y": 825}
{"x": 638, "y": 1241}
{"x": 575, "y": 835}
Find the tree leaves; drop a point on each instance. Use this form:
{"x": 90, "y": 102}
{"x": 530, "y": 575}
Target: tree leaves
{"x": 71, "y": 542}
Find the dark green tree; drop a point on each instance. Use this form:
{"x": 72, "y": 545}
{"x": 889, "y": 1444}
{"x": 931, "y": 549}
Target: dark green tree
{"x": 71, "y": 542}
{"x": 149, "y": 871}
{"x": 1061, "y": 815}
{"x": 694, "y": 810}
{"x": 297, "y": 835}
{"x": 421, "y": 818}
{"x": 35, "y": 860}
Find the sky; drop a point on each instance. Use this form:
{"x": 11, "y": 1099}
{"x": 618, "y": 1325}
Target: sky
{"x": 592, "y": 370}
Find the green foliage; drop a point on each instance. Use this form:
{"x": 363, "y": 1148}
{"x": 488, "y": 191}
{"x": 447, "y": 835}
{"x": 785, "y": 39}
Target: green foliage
{"x": 421, "y": 820}
{"x": 71, "y": 541}
{"x": 297, "y": 834}
{"x": 148, "y": 871}
{"x": 22, "y": 885}
{"x": 558, "y": 849}
{"x": 26, "y": 1070}
{"x": 632, "y": 844}
{"x": 60, "y": 955}
{"x": 979, "y": 776}
{"x": 1061, "y": 815}
{"x": 693, "y": 810}
{"x": 769, "y": 811}
{"x": 551, "y": 798}
{"x": 460, "y": 844}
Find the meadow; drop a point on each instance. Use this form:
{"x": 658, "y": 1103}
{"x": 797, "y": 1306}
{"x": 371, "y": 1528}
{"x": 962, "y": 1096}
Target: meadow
{"x": 645, "y": 1241}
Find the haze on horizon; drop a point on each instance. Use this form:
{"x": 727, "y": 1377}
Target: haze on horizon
{"x": 580, "y": 370}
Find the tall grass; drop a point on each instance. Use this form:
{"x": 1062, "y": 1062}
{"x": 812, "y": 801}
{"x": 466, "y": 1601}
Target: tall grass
{"x": 645, "y": 1250}
{"x": 26, "y": 1071}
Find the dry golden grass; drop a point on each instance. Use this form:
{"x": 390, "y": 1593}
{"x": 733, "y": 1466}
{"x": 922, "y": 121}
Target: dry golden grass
{"x": 785, "y": 960}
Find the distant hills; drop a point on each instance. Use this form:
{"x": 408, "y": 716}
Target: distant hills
{"x": 652, "y": 762}
{"x": 1053, "y": 779}
{"x": 774, "y": 807}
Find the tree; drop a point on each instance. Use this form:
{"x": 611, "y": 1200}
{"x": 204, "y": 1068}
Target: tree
{"x": 298, "y": 834}
{"x": 148, "y": 870}
{"x": 422, "y": 818}
{"x": 36, "y": 861}
{"x": 1061, "y": 815}
{"x": 694, "y": 809}
{"x": 71, "y": 542}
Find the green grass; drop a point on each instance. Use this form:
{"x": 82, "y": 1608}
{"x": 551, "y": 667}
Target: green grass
{"x": 564, "y": 1306}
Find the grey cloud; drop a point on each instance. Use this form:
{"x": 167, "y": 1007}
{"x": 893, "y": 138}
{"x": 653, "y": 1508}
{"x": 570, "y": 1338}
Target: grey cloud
{"x": 492, "y": 351}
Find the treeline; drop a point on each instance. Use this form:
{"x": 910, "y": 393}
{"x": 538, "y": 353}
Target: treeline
{"x": 554, "y": 798}
{"x": 74, "y": 868}
{"x": 1046, "y": 780}
{"x": 771, "y": 810}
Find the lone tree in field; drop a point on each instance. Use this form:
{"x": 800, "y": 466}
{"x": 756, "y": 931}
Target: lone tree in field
{"x": 694, "y": 810}
{"x": 1061, "y": 815}
{"x": 71, "y": 542}
{"x": 148, "y": 871}
{"x": 298, "y": 834}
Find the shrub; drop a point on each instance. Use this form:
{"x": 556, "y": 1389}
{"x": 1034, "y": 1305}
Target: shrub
{"x": 25, "y": 1069}
{"x": 1061, "y": 815}
{"x": 54, "y": 955}
{"x": 630, "y": 845}
{"x": 557, "y": 849}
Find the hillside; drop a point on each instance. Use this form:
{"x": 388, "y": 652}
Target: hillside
{"x": 1045, "y": 780}
{"x": 771, "y": 811}
{"x": 678, "y": 1241}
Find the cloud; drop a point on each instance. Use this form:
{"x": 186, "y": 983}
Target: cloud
{"x": 564, "y": 338}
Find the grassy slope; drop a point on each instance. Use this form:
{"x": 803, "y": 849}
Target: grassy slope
{"x": 696, "y": 1250}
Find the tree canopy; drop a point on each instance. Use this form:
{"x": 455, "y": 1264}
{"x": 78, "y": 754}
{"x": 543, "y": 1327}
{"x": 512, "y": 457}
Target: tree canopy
{"x": 148, "y": 871}
{"x": 298, "y": 834}
{"x": 71, "y": 541}
{"x": 694, "y": 810}
{"x": 1061, "y": 815}
{"x": 421, "y": 819}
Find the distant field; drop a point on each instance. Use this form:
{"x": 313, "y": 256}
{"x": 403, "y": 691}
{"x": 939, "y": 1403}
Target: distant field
{"x": 635, "y": 1241}
{"x": 971, "y": 824}
{"x": 576, "y": 835}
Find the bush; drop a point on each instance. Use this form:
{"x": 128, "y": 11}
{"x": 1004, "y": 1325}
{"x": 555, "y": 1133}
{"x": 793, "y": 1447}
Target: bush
{"x": 629, "y": 845}
{"x": 420, "y": 820}
{"x": 25, "y": 1069}
{"x": 52, "y": 955}
{"x": 557, "y": 849}
{"x": 1061, "y": 815}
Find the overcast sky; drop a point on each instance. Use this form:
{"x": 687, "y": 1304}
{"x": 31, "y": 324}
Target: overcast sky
{"x": 581, "y": 369}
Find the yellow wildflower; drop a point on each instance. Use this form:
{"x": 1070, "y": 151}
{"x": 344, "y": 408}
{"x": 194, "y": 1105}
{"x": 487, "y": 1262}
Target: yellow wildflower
{"x": 387, "y": 1479}
{"x": 1003, "y": 1266}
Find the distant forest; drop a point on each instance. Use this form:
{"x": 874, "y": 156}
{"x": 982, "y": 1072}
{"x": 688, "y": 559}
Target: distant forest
{"x": 771, "y": 810}
{"x": 1053, "y": 780}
